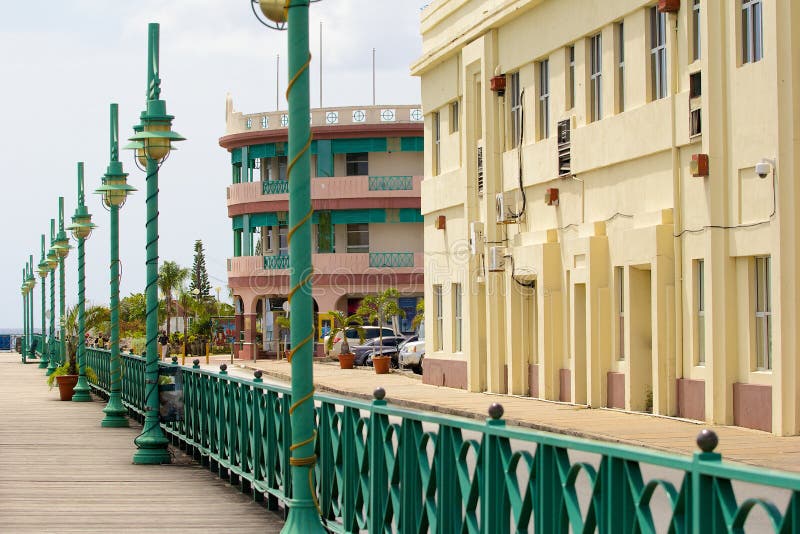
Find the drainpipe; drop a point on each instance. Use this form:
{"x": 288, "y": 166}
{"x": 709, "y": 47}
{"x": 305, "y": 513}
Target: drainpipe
{"x": 676, "y": 220}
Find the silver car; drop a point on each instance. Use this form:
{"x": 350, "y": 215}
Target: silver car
{"x": 412, "y": 353}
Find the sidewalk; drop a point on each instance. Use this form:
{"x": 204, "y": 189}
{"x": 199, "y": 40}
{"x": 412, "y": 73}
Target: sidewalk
{"x": 672, "y": 435}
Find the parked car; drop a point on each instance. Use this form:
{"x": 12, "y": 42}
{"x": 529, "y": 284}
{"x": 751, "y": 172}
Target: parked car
{"x": 370, "y": 333}
{"x": 412, "y": 353}
{"x": 373, "y": 346}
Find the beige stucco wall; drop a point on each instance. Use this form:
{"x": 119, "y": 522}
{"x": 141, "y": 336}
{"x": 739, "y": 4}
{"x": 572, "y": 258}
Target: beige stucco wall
{"x": 630, "y": 202}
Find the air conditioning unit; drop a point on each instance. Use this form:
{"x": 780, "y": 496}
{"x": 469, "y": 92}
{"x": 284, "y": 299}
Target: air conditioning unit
{"x": 506, "y": 207}
{"x": 496, "y": 259}
{"x": 479, "y": 166}
{"x": 476, "y": 237}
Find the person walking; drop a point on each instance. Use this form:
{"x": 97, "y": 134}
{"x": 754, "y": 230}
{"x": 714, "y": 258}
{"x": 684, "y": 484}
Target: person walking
{"x": 164, "y": 340}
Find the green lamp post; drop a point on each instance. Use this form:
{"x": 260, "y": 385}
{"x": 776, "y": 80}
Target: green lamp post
{"x": 61, "y": 248}
{"x": 152, "y": 142}
{"x": 31, "y": 322}
{"x": 304, "y": 516}
{"x": 114, "y": 191}
{"x": 43, "y": 269}
{"x": 52, "y": 264}
{"x": 81, "y": 228}
{"x": 24, "y": 290}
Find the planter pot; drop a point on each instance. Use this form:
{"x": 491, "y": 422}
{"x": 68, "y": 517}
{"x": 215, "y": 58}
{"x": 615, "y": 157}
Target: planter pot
{"x": 346, "y": 360}
{"x": 66, "y": 386}
{"x": 381, "y": 364}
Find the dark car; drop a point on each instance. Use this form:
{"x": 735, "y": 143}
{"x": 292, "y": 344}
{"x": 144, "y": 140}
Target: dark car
{"x": 390, "y": 344}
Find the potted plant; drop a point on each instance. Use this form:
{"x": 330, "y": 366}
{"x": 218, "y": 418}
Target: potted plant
{"x": 345, "y": 323}
{"x": 66, "y": 374}
{"x": 378, "y": 308}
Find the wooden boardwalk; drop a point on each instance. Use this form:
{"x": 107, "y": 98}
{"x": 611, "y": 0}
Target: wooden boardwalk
{"x": 61, "y": 472}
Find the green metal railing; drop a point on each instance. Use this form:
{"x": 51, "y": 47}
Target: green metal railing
{"x": 386, "y": 469}
{"x": 390, "y": 183}
{"x": 55, "y": 352}
{"x": 275, "y": 187}
{"x": 39, "y": 340}
{"x": 280, "y": 261}
{"x": 391, "y": 259}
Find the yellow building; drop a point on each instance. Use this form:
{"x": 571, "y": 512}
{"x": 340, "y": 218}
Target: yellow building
{"x": 609, "y": 202}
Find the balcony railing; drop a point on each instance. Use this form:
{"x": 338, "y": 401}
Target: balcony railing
{"x": 390, "y": 183}
{"x": 276, "y": 187}
{"x": 276, "y": 262}
{"x": 427, "y": 470}
{"x": 391, "y": 259}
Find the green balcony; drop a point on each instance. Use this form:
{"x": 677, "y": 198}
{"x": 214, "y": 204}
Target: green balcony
{"x": 276, "y": 262}
{"x": 391, "y": 259}
{"x": 390, "y": 183}
{"x": 275, "y": 187}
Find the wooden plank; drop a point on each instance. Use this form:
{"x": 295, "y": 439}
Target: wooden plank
{"x": 60, "y": 471}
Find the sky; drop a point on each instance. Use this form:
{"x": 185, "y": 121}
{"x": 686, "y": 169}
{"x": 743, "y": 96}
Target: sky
{"x": 63, "y": 65}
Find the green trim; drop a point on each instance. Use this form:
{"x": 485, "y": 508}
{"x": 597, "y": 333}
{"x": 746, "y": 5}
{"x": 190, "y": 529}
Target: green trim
{"x": 330, "y": 146}
{"x": 390, "y": 183}
{"x": 281, "y": 261}
{"x": 324, "y": 158}
{"x": 275, "y": 187}
{"x": 391, "y": 259}
{"x": 372, "y": 215}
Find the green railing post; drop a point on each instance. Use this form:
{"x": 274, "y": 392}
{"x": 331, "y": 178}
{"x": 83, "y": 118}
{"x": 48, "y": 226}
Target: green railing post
{"x": 114, "y": 190}
{"x": 378, "y": 474}
{"x": 410, "y": 480}
{"x": 706, "y": 513}
{"x": 81, "y": 228}
{"x": 494, "y": 504}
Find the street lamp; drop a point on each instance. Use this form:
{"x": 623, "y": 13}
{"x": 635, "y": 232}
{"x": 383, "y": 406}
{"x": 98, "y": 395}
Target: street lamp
{"x": 61, "y": 247}
{"x": 304, "y": 515}
{"x": 52, "y": 264}
{"x": 43, "y": 269}
{"x": 115, "y": 190}
{"x": 152, "y": 142}
{"x": 81, "y": 229}
{"x": 24, "y": 289}
{"x": 31, "y": 281}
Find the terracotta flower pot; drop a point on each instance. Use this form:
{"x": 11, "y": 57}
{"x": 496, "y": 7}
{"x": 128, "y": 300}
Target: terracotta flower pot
{"x": 346, "y": 360}
{"x": 66, "y": 386}
{"x": 381, "y": 364}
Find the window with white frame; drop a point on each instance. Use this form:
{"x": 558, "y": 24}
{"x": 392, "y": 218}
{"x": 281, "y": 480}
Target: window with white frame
{"x": 752, "y": 38}
{"x": 515, "y": 92}
{"x": 457, "y": 318}
{"x": 763, "y": 283}
{"x": 658, "y": 53}
{"x": 437, "y": 313}
{"x": 570, "y": 76}
{"x": 454, "y": 117}
{"x": 619, "y": 285}
{"x": 621, "y": 67}
{"x": 596, "y": 77}
{"x": 700, "y": 299}
{"x": 544, "y": 99}
{"x": 695, "y": 30}
{"x": 358, "y": 238}
{"x": 283, "y": 240}
{"x": 437, "y": 139}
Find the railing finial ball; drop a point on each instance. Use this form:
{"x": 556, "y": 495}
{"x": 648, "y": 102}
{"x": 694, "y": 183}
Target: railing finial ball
{"x": 196, "y": 361}
{"x": 223, "y": 367}
{"x": 379, "y": 393}
{"x": 707, "y": 440}
{"x": 258, "y": 373}
{"x": 496, "y": 410}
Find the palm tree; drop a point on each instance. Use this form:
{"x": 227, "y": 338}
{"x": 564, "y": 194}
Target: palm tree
{"x": 344, "y": 322}
{"x": 170, "y": 278}
{"x": 381, "y": 307}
